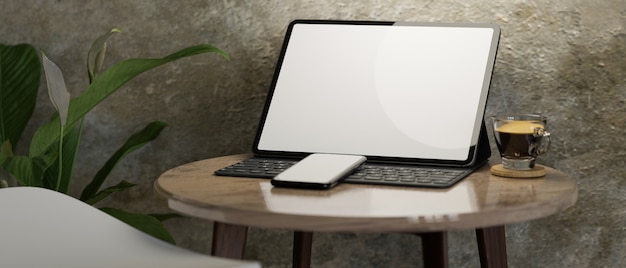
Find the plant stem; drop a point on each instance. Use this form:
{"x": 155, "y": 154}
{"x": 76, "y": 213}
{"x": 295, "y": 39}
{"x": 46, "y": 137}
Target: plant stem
{"x": 60, "y": 173}
{"x": 81, "y": 126}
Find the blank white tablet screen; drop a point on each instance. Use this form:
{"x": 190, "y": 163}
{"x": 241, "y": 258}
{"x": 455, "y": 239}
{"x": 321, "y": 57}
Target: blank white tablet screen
{"x": 375, "y": 90}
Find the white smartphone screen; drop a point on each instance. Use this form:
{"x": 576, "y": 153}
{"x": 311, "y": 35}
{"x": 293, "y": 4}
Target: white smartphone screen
{"x": 320, "y": 169}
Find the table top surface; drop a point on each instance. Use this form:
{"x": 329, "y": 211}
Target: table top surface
{"x": 480, "y": 200}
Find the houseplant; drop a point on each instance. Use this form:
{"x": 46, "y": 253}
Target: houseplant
{"x": 54, "y": 146}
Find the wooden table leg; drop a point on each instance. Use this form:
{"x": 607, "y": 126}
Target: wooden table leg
{"x": 302, "y": 244}
{"x": 435, "y": 249}
{"x": 229, "y": 240}
{"x": 492, "y": 246}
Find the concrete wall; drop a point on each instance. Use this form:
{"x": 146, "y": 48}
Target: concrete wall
{"x": 563, "y": 58}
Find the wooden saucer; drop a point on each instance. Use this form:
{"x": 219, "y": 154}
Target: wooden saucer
{"x": 499, "y": 170}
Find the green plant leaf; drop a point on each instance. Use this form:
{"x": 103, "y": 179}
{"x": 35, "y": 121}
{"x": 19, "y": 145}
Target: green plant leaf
{"x": 3, "y": 173}
{"x": 95, "y": 56}
{"x": 20, "y": 72}
{"x": 61, "y": 182}
{"x": 166, "y": 216}
{"x": 122, "y": 186}
{"x": 103, "y": 86}
{"x": 22, "y": 168}
{"x": 6, "y": 148}
{"x": 4, "y": 159}
{"x": 40, "y": 165}
{"x": 27, "y": 171}
{"x": 145, "y": 223}
{"x": 136, "y": 141}
{"x": 57, "y": 91}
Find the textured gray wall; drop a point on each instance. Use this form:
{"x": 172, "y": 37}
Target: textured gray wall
{"x": 563, "y": 58}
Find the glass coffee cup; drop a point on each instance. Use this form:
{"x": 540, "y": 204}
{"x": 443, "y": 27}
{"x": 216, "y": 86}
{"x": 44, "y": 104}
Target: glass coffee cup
{"x": 520, "y": 139}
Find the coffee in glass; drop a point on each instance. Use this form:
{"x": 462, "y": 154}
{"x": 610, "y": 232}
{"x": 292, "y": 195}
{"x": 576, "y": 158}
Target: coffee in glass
{"x": 520, "y": 139}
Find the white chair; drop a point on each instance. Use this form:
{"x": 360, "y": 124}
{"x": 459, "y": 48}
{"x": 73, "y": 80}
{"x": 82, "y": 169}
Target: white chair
{"x": 44, "y": 228}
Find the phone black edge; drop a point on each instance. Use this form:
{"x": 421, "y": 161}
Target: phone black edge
{"x": 303, "y": 185}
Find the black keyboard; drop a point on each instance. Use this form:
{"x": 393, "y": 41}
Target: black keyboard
{"x": 256, "y": 168}
{"x": 399, "y": 175}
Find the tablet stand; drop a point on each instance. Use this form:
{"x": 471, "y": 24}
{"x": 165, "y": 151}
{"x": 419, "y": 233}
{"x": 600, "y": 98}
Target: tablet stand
{"x": 483, "y": 147}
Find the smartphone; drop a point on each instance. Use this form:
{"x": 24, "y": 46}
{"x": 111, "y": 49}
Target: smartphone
{"x": 318, "y": 171}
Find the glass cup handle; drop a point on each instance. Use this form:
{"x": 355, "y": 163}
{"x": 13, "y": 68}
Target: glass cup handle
{"x": 544, "y": 144}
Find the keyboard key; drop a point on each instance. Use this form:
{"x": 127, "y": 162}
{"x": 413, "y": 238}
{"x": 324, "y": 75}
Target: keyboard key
{"x": 373, "y": 177}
